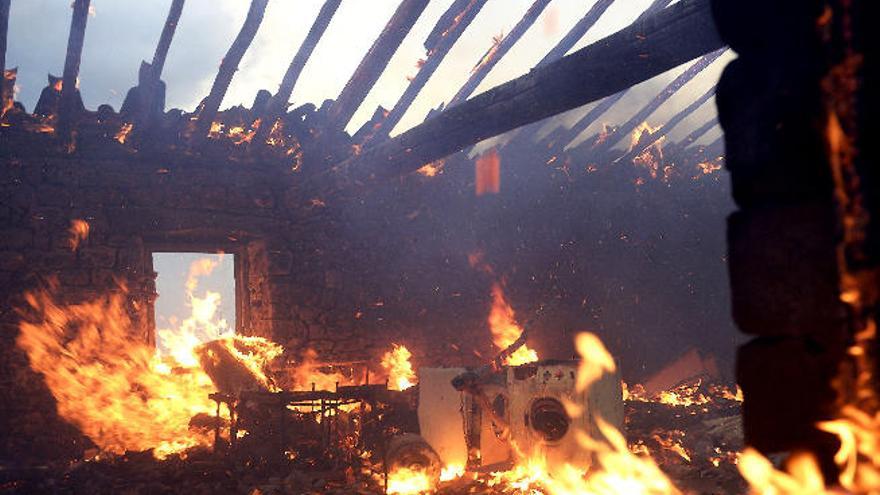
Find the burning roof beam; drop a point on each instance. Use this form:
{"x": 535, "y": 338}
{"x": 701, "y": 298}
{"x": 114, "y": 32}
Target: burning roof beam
{"x": 279, "y": 103}
{"x": 68, "y": 105}
{"x": 644, "y": 50}
{"x": 576, "y": 33}
{"x": 4, "y": 29}
{"x": 150, "y": 94}
{"x": 446, "y": 33}
{"x": 649, "y": 140}
{"x": 375, "y": 61}
{"x": 671, "y": 89}
{"x": 498, "y": 51}
{"x": 211, "y": 105}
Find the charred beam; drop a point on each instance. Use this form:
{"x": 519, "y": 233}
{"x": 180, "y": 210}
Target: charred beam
{"x": 211, "y": 105}
{"x": 668, "y": 126}
{"x": 674, "y": 36}
{"x": 279, "y": 103}
{"x": 375, "y": 61}
{"x": 698, "y": 133}
{"x": 498, "y": 51}
{"x": 4, "y": 29}
{"x": 68, "y": 109}
{"x": 167, "y": 36}
{"x": 444, "y": 36}
{"x": 577, "y": 32}
{"x": 672, "y": 88}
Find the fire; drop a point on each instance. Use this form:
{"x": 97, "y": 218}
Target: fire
{"x": 488, "y": 173}
{"x": 202, "y": 325}
{"x": 639, "y": 132}
{"x": 451, "y": 472}
{"x": 124, "y": 131}
{"x": 505, "y": 331}
{"x": 406, "y": 481}
{"x": 79, "y": 232}
{"x": 309, "y": 375}
{"x": 400, "y": 371}
{"x": 432, "y": 169}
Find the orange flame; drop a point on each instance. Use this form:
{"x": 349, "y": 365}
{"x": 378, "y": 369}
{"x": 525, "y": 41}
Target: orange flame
{"x": 79, "y": 232}
{"x": 488, "y": 173}
{"x": 406, "y": 481}
{"x": 124, "y": 131}
{"x": 505, "y": 331}
{"x": 399, "y": 368}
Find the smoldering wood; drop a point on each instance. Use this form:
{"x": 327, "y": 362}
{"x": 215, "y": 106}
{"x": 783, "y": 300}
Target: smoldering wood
{"x": 649, "y": 139}
{"x": 375, "y": 61}
{"x": 278, "y": 104}
{"x": 646, "y": 49}
{"x": 671, "y": 89}
{"x": 68, "y": 109}
{"x": 4, "y": 30}
{"x": 576, "y": 33}
{"x": 167, "y": 37}
{"x": 496, "y": 53}
{"x": 228, "y": 67}
{"x": 438, "y": 46}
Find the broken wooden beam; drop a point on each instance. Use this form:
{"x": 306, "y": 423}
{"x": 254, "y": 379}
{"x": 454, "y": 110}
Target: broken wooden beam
{"x": 498, "y": 51}
{"x": 4, "y": 30}
{"x": 666, "y": 40}
{"x": 444, "y": 36}
{"x": 211, "y": 104}
{"x": 68, "y": 109}
{"x": 278, "y": 104}
{"x": 166, "y": 37}
{"x": 671, "y": 89}
{"x": 576, "y": 33}
{"x": 668, "y": 126}
{"x": 698, "y": 133}
{"x": 375, "y": 61}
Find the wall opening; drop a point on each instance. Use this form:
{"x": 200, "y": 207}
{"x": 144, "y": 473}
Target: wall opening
{"x": 197, "y": 299}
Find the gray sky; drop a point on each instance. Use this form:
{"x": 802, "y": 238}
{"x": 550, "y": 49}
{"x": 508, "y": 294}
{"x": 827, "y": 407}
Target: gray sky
{"x": 121, "y": 33}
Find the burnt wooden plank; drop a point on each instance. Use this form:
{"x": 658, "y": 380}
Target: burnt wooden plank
{"x": 577, "y": 32}
{"x": 498, "y": 51}
{"x": 4, "y": 30}
{"x": 645, "y": 49}
{"x": 228, "y": 67}
{"x": 166, "y": 37}
{"x": 375, "y": 61}
{"x": 444, "y": 36}
{"x": 68, "y": 109}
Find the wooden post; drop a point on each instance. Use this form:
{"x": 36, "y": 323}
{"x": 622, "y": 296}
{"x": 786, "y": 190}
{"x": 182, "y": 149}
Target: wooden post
{"x": 278, "y": 104}
{"x": 228, "y": 67}
{"x": 680, "y": 33}
{"x": 375, "y": 61}
{"x": 672, "y": 88}
{"x": 577, "y": 32}
{"x": 497, "y": 52}
{"x": 68, "y": 107}
{"x": 4, "y": 29}
{"x": 438, "y": 44}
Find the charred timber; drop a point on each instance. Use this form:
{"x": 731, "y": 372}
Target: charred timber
{"x": 498, "y": 51}
{"x": 4, "y": 29}
{"x": 375, "y": 61}
{"x": 668, "y": 126}
{"x": 68, "y": 109}
{"x": 674, "y": 36}
{"x": 576, "y": 33}
{"x": 279, "y": 103}
{"x": 167, "y": 36}
{"x": 450, "y": 28}
{"x": 671, "y": 89}
{"x": 228, "y": 67}
{"x": 699, "y": 132}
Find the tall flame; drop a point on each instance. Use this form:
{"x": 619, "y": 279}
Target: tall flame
{"x": 505, "y": 331}
{"x": 79, "y": 232}
{"x": 396, "y": 363}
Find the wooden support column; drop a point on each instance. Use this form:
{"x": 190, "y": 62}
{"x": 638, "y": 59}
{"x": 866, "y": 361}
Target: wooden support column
{"x": 166, "y": 38}
{"x": 68, "y": 109}
{"x": 680, "y": 33}
{"x": 784, "y": 241}
{"x": 497, "y": 52}
{"x": 228, "y": 67}
{"x": 375, "y": 61}
{"x": 278, "y": 104}
{"x": 444, "y": 36}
